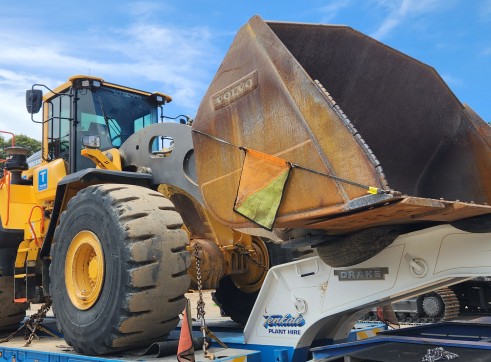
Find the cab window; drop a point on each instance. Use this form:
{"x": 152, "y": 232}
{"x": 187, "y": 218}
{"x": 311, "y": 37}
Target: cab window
{"x": 58, "y": 136}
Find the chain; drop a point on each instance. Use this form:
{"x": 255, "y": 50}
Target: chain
{"x": 36, "y": 320}
{"x": 201, "y": 303}
{"x": 32, "y": 325}
{"x": 201, "y": 308}
{"x": 6, "y": 339}
{"x": 241, "y": 250}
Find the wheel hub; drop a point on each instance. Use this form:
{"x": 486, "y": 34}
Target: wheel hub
{"x": 93, "y": 269}
{"x": 84, "y": 270}
{"x": 252, "y": 281}
{"x": 432, "y": 306}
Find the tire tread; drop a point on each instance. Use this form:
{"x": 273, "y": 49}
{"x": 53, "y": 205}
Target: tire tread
{"x": 154, "y": 271}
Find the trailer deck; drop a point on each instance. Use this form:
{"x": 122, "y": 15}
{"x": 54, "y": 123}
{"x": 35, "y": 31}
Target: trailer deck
{"x": 470, "y": 340}
{"x": 51, "y": 349}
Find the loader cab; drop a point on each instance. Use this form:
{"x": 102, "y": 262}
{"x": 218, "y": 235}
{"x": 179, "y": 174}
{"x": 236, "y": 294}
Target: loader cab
{"x": 89, "y": 106}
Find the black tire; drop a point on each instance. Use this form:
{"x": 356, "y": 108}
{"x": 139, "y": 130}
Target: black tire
{"x": 145, "y": 269}
{"x": 238, "y": 304}
{"x": 347, "y": 250}
{"x": 477, "y": 224}
{"x": 11, "y": 314}
{"x": 234, "y": 302}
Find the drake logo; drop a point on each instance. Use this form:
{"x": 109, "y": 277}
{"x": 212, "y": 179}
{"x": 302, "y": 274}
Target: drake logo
{"x": 361, "y": 274}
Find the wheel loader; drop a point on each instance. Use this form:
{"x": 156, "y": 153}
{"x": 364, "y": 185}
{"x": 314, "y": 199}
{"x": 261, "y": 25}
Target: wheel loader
{"x": 310, "y": 137}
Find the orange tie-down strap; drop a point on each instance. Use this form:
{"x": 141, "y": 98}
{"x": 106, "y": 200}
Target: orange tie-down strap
{"x": 261, "y": 187}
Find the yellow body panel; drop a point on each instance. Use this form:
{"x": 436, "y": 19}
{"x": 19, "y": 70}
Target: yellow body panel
{"x": 16, "y": 202}
{"x": 19, "y": 210}
{"x": 74, "y": 78}
{"x": 27, "y": 174}
{"x": 46, "y": 179}
{"x": 27, "y": 252}
{"x": 116, "y": 158}
{"x": 22, "y": 254}
{"x": 107, "y": 160}
{"x": 35, "y": 225}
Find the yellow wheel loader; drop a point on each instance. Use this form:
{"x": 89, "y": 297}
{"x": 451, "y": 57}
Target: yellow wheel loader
{"x": 310, "y": 138}
{"x": 98, "y": 233}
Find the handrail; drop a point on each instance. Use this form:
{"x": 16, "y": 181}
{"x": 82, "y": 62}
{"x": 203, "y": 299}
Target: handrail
{"x": 6, "y": 181}
{"x": 42, "y": 223}
{"x": 13, "y": 136}
{"x": 13, "y": 141}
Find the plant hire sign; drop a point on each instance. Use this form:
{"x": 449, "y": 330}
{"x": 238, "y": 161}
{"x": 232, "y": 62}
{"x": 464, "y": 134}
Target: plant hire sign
{"x": 284, "y": 324}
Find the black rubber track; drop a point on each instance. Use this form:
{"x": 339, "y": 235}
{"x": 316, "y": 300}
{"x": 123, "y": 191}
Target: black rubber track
{"x": 444, "y": 305}
{"x": 11, "y": 314}
{"x": 145, "y": 274}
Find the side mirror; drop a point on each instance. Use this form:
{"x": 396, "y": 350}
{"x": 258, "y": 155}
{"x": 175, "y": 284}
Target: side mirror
{"x": 34, "y": 100}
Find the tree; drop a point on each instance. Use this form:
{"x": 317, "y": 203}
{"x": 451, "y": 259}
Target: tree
{"x": 21, "y": 140}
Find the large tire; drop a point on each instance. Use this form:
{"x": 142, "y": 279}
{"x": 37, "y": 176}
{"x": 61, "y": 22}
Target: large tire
{"x": 476, "y": 224}
{"x": 11, "y": 314}
{"x": 144, "y": 276}
{"x": 347, "y": 250}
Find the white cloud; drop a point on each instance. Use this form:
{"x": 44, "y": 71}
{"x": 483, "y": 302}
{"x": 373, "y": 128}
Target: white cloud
{"x": 144, "y": 55}
{"x": 13, "y": 114}
{"x": 452, "y": 81}
{"x": 178, "y": 60}
{"x": 147, "y": 9}
{"x": 331, "y": 10}
{"x": 485, "y": 10}
{"x": 398, "y": 11}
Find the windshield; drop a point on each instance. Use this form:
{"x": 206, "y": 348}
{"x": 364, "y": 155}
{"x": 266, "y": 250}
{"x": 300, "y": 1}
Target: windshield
{"x": 113, "y": 115}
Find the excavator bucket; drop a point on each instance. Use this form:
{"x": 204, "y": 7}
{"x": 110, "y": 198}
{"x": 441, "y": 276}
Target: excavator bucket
{"x": 350, "y": 115}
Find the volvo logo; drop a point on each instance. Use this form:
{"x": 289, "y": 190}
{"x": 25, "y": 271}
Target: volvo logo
{"x": 235, "y": 91}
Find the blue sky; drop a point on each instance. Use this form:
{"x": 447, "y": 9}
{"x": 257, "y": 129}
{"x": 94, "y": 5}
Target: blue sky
{"x": 176, "y": 46}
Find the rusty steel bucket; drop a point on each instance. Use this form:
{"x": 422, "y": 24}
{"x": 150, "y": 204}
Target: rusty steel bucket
{"x": 337, "y": 102}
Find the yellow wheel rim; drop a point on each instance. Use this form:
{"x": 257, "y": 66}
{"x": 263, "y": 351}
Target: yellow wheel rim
{"x": 84, "y": 270}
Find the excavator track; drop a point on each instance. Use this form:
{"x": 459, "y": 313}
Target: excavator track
{"x": 450, "y": 302}
{"x": 440, "y": 305}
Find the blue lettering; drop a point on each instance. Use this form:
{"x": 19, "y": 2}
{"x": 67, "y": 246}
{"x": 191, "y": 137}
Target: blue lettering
{"x": 278, "y": 320}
